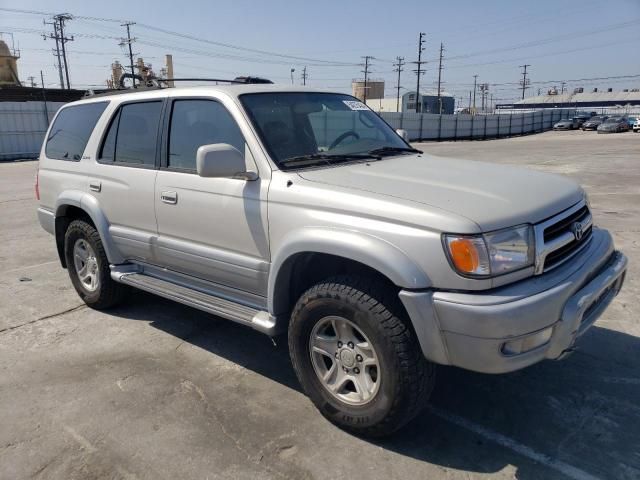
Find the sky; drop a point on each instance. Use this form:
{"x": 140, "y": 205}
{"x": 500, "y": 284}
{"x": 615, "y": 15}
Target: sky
{"x": 575, "y": 42}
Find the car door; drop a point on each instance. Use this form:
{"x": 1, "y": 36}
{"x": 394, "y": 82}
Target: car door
{"x": 123, "y": 178}
{"x": 210, "y": 228}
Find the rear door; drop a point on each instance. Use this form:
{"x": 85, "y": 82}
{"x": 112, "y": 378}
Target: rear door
{"x": 123, "y": 178}
{"x": 211, "y": 228}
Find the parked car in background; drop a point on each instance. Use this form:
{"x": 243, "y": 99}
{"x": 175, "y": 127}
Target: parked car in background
{"x": 579, "y": 120}
{"x": 594, "y": 122}
{"x": 614, "y": 125}
{"x": 566, "y": 124}
{"x": 632, "y": 121}
{"x": 636, "y": 125}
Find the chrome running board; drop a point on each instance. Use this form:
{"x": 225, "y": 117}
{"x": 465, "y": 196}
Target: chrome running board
{"x": 257, "y": 319}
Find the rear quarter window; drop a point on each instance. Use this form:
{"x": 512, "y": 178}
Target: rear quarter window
{"x": 71, "y": 130}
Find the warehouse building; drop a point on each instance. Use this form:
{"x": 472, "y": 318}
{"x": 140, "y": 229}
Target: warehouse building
{"x": 624, "y": 101}
{"x": 430, "y": 103}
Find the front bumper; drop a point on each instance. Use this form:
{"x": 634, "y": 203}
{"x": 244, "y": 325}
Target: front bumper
{"x": 470, "y": 330}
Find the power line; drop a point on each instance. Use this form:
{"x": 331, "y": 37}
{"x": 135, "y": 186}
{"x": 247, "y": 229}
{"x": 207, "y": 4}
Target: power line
{"x": 399, "y": 63}
{"x": 419, "y": 71}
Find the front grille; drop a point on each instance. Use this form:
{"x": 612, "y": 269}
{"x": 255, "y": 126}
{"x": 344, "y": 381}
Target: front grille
{"x": 556, "y": 239}
{"x": 557, "y": 229}
{"x": 560, "y": 255}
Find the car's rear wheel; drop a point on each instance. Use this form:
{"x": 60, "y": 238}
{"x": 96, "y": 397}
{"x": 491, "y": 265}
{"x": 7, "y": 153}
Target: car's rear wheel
{"x": 356, "y": 356}
{"x": 88, "y": 267}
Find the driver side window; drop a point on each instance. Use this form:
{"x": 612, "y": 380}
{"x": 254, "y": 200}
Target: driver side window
{"x": 199, "y": 122}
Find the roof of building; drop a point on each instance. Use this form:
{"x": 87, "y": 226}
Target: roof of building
{"x": 586, "y": 97}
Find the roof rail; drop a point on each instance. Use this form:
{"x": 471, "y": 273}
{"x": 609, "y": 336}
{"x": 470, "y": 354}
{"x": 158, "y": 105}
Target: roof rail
{"x": 157, "y": 84}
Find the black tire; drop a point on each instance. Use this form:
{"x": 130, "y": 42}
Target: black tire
{"x": 108, "y": 292}
{"x": 406, "y": 377}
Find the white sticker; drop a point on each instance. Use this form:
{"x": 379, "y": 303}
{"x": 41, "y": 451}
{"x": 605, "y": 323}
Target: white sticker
{"x": 355, "y": 105}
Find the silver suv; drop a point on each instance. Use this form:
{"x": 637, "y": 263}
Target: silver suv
{"x": 301, "y": 211}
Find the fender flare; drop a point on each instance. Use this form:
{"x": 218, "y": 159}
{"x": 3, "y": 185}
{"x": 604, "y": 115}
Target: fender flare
{"x": 89, "y": 204}
{"x": 369, "y": 250}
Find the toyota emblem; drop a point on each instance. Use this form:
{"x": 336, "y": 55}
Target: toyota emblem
{"x": 578, "y": 231}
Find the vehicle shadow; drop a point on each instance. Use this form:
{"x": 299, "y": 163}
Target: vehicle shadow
{"x": 579, "y": 418}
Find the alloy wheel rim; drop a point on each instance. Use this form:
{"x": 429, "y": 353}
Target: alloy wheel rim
{"x": 86, "y": 263}
{"x": 344, "y": 360}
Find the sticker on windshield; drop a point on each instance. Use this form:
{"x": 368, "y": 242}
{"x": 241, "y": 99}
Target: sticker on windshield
{"x": 355, "y": 105}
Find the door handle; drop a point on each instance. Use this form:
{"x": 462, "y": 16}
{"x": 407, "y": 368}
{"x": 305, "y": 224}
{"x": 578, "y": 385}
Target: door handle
{"x": 169, "y": 197}
{"x": 95, "y": 186}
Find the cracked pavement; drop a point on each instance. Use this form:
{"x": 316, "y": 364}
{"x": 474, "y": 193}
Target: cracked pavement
{"x": 156, "y": 390}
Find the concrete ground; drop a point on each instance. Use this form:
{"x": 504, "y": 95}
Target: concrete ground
{"x": 155, "y": 390}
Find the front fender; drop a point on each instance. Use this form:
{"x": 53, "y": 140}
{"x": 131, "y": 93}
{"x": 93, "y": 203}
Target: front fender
{"x": 369, "y": 250}
{"x": 89, "y": 204}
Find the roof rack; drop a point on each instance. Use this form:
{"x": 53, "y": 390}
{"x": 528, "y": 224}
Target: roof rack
{"x": 157, "y": 84}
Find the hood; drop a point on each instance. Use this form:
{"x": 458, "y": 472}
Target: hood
{"x": 492, "y": 196}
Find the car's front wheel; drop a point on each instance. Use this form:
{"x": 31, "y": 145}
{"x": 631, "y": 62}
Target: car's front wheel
{"x": 356, "y": 356}
{"x": 88, "y": 267}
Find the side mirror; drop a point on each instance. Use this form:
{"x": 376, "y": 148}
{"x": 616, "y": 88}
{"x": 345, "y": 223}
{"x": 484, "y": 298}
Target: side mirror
{"x": 403, "y": 134}
{"x": 222, "y": 160}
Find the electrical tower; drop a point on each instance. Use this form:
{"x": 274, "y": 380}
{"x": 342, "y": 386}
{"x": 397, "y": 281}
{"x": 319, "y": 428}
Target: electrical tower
{"x": 60, "y": 52}
{"x": 128, "y": 41}
{"x": 440, "y": 79}
{"x": 398, "y": 65}
{"x": 419, "y": 70}
{"x": 525, "y": 81}
{"x": 304, "y": 76}
{"x": 367, "y": 64}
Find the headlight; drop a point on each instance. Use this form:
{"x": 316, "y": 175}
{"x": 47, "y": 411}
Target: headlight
{"x": 493, "y": 253}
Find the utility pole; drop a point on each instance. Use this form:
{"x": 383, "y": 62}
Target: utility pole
{"x": 56, "y": 52}
{"x": 32, "y": 81}
{"x": 475, "y": 81}
{"x": 61, "y": 18}
{"x": 304, "y": 76}
{"x": 128, "y": 41}
{"x": 469, "y": 101}
{"x": 367, "y": 59}
{"x": 563, "y": 85}
{"x": 524, "y": 78}
{"x": 419, "y": 71}
{"x": 440, "y": 79}
{"x": 398, "y": 65}
{"x": 44, "y": 98}
{"x": 484, "y": 90}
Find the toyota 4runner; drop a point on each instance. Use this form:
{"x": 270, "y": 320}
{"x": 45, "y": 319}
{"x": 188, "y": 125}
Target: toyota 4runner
{"x": 301, "y": 211}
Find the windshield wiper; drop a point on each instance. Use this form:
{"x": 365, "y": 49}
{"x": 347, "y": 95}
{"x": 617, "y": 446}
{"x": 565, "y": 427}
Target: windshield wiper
{"x": 329, "y": 159}
{"x": 392, "y": 150}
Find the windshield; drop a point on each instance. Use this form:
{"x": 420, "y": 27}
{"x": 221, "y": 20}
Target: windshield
{"x": 613, "y": 120}
{"x": 309, "y": 129}
{"x": 597, "y": 119}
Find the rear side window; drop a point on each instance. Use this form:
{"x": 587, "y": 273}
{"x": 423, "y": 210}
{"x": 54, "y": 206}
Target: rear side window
{"x": 71, "y": 130}
{"x": 133, "y": 134}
